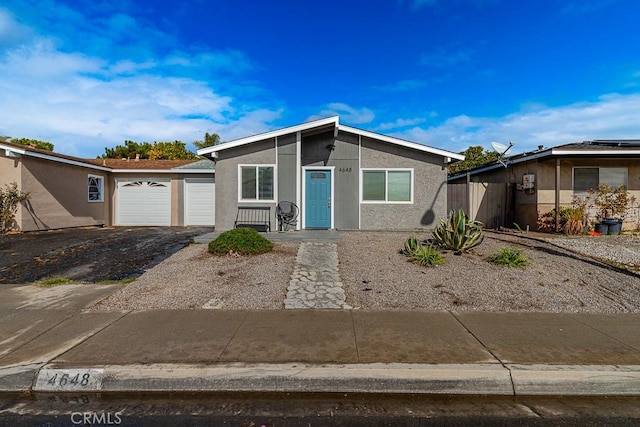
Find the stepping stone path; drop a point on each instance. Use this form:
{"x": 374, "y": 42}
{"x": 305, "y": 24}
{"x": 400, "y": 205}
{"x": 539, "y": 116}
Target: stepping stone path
{"x": 315, "y": 282}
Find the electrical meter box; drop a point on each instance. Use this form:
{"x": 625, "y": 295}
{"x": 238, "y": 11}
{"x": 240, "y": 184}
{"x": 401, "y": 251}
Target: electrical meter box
{"x": 528, "y": 181}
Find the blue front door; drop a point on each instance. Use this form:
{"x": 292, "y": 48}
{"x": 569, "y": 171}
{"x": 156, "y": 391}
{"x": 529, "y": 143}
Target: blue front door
{"x": 317, "y": 199}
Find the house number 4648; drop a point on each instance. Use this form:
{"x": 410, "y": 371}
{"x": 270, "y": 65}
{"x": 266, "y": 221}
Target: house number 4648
{"x": 66, "y": 379}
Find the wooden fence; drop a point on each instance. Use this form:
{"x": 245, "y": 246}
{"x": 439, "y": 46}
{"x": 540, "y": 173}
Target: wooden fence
{"x": 488, "y": 201}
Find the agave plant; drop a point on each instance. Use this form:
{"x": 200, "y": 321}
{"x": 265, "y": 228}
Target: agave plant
{"x": 458, "y": 233}
{"x": 411, "y": 246}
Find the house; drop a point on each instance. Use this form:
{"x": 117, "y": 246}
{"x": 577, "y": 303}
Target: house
{"x": 339, "y": 176}
{"x": 67, "y": 191}
{"x": 520, "y": 188}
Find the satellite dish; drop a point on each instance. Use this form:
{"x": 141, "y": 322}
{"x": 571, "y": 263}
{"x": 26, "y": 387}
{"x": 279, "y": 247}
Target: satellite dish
{"x": 502, "y": 150}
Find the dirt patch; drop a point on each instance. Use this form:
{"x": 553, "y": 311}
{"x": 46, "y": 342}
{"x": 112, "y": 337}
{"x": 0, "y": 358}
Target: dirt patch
{"x": 89, "y": 254}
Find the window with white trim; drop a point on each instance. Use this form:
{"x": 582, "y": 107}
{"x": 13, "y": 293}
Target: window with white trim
{"x": 586, "y": 178}
{"x": 256, "y": 183}
{"x": 387, "y": 185}
{"x": 95, "y": 188}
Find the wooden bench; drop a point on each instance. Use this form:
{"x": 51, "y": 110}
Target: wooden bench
{"x": 256, "y": 217}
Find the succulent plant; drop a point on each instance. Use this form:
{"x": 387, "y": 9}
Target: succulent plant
{"x": 411, "y": 246}
{"x": 458, "y": 233}
{"x": 427, "y": 256}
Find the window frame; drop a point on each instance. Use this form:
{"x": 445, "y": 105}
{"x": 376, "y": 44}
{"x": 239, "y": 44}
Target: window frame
{"x": 386, "y": 200}
{"x": 257, "y": 199}
{"x": 100, "y": 179}
{"x": 586, "y": 192}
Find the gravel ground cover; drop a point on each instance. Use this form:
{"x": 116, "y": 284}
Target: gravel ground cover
{"x": 193, "y": 277}
{"x": 377, "y": 277}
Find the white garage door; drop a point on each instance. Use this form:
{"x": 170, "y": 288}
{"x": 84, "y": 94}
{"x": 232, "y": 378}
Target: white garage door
{"x": 199, "y": 201}
{"x": 143, "y": 201}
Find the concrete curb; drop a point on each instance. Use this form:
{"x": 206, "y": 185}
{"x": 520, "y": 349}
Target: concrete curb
{"x": 576, "y": 380}
{"x": 18, "y": 378}
{"x": 438, "y": 379}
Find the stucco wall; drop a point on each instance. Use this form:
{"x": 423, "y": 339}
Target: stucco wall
{"x": 59, "y": 196}
{"x": 343, "y": 157}
{"x": 429, "y": 194}
{"x": 262, "y": 152}
{"x": 287, "y": 163}
{"x": 546, "y": 198}
{"x": 529, "y": 205}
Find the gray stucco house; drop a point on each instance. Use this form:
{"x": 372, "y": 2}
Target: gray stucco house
{"x": 339, "y": 176}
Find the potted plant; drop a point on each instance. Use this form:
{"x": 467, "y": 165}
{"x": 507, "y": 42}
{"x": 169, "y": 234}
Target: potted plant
{"x": 612, "y": 205}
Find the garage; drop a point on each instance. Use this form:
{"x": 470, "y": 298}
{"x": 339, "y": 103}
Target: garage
{"x": 199, "y": 201}
{"x": 143, "y": 201}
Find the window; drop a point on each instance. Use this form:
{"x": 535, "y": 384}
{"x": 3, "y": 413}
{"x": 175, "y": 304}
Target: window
{"x": 95, "y": 188}
{"x": 256, "y": 183}
{"x": 387, "y": 185}
{"x": 590, "y": 177}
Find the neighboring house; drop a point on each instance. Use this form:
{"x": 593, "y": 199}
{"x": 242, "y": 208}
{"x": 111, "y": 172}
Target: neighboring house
{"x": 340, "y": 177}
{"x": 68, "y": 191}
{"x": 534, "y": 183}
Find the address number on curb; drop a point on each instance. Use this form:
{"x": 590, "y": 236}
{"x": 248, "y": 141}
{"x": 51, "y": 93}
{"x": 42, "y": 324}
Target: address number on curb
{"x": 69, "y": 379}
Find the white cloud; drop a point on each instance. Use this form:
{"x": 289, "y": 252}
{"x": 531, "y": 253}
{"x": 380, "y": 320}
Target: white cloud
{"x": 83, "y": 103}
{"x": 612, "y": 116}
{"x": 347, "y": 113}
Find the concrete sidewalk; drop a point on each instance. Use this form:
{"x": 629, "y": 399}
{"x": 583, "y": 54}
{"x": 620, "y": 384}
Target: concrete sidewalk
{"x": 321, "y": 351}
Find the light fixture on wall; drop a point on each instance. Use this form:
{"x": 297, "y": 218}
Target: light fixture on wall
{"x": 331, "y": 147}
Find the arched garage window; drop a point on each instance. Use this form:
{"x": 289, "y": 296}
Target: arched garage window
{"x": 95, "y": 188}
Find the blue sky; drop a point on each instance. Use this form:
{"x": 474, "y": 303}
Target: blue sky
{"x": 87, "y": 75}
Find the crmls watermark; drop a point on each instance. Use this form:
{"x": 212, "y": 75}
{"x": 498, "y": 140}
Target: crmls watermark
{"x": 96, "y": 418}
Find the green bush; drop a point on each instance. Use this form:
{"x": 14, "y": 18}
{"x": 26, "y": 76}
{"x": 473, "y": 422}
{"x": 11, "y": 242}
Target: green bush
{"x": 244, "y": 241}
{"x": 458, "y": 233}
{"x": 510, "y": 257}
{"x": 427, "y": 256}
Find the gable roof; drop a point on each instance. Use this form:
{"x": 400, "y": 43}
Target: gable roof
{"x": 329, "y": 123}
{"x": 605, "y": 148}
{"x": 108, "y": 165}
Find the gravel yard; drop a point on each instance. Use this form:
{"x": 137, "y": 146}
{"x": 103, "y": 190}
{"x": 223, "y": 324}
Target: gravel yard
{"x": 192, "y": 277}
{"x": 556, "y": 281}
{"x": 376, "y": 277}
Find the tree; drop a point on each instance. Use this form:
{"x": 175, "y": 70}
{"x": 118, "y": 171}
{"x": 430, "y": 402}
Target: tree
{"x": 209, "y": 141}
{"x": 175, "y": 150}
{"x": 35, "y": 143}
{"x": 10, "y": 198}
{"x": 474, "y": 156}
{"x": 127, "y": 151}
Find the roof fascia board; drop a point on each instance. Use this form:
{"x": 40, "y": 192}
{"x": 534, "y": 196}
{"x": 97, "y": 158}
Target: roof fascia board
{"x": 268, "y": 135}
{"x": 54, "y": 158}
{"x": 595, "y": 152}
{"x": 163, "y": 171}
{"x": 402, "y": 142}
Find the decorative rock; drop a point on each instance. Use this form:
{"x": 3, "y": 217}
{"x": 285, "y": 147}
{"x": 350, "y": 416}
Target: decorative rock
{"x": 315, "y": 281}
